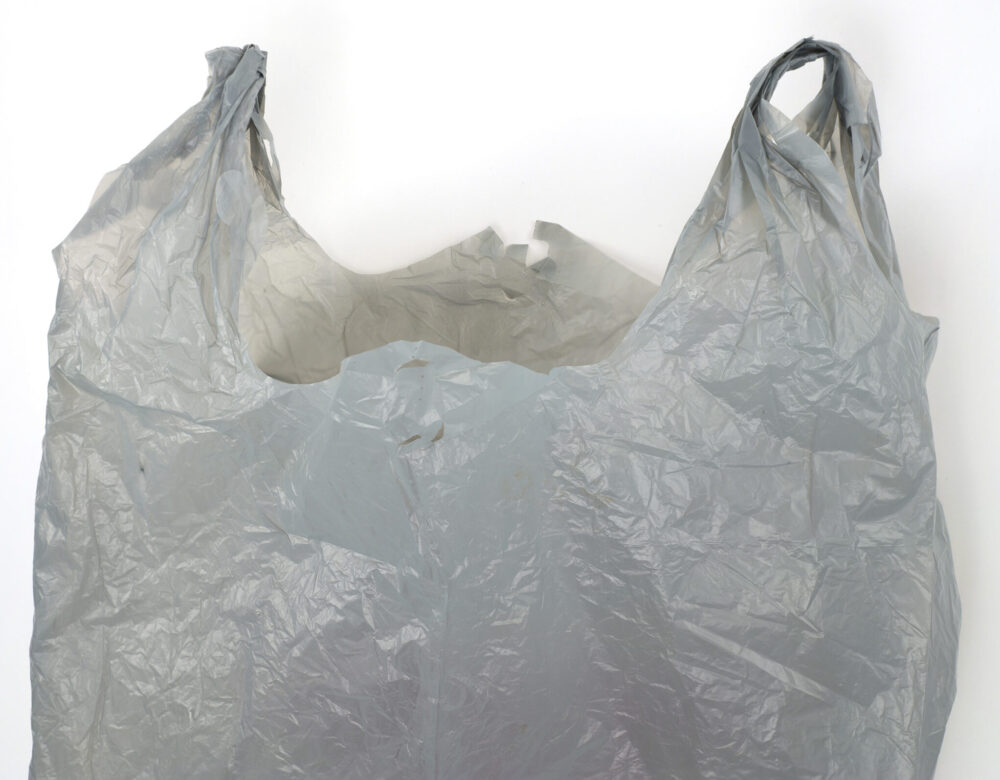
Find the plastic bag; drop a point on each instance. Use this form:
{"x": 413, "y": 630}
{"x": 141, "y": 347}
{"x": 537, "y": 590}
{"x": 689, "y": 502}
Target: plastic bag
{"x": 479, "y": 519}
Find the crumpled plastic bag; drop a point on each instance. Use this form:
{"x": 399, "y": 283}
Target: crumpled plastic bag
{"x": 479, "y": 519}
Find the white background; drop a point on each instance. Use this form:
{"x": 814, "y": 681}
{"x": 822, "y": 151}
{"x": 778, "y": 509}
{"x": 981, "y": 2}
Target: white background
{"x": 402, "y": 128}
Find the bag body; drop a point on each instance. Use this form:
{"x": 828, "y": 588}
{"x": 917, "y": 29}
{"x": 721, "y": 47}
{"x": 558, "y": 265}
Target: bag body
{"x": 478, "y": 519}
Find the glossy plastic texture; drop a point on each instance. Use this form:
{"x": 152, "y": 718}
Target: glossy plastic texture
{"x": 479, "y": 519}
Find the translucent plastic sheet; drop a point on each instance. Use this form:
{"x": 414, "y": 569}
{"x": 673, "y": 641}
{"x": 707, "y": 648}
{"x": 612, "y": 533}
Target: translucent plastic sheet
{"x": 479, "y": 519}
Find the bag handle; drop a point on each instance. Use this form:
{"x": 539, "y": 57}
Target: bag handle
{"x": 851, "y": 92}
{"x": 851, "y": 89}
{"x": 192, "y": 291}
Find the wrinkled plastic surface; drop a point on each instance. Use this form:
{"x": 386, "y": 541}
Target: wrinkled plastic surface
{"x": 564, "y": 524}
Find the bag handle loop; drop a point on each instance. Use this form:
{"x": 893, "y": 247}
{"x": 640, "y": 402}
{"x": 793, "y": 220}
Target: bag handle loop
{"x": 851, "y": 92}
